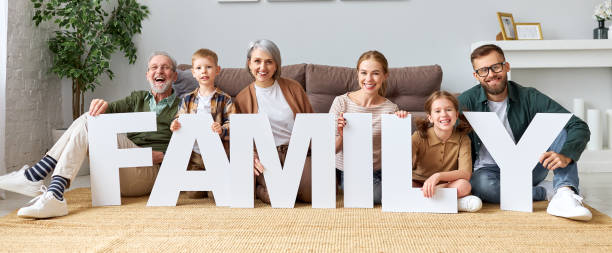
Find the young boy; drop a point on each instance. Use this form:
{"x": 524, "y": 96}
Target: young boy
{"x": 205, "y": 99}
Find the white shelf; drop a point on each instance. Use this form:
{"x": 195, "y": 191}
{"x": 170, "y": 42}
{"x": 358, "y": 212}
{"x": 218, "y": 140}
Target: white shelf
{"x": 593, "y": 161}
{"x": 555, "y": 53}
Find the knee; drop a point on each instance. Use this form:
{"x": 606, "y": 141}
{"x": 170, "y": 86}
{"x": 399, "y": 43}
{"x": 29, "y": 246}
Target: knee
{"x": 558, "y": 143}
{"x": 463, "y": 187}
{"x": 482, "y": 182}
{"x": 135, "y": 182}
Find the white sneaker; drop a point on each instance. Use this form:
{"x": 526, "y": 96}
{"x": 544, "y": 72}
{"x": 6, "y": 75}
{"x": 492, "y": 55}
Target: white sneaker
{"x": 16, "y": 181}
{"x": 469, "y": 203}
{"x": 548, "y": 186}
{"x": 568, "y": 204}
{"x": 45, "y": 206}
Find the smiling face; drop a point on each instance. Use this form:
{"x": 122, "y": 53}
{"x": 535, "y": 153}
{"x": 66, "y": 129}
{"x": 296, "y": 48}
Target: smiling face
{"x": 205, "y": 70}
{"x": 160, "y": 74}
{"x": 493, "y": 83}
{"x": 371, "y": 76}
{"x": 443, "y": 114}
{"x": 262, "y": 66}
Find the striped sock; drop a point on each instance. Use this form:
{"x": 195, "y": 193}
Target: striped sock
{"x": 57, "y": 186}
{"x": 41, "y": 169}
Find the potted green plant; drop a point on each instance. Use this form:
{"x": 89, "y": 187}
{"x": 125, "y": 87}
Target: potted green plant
{"x": 87, "y": 35}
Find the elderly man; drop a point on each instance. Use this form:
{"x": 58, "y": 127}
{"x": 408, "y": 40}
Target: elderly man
{"x": 64, "y": 159}
{"x": 515, "y": 106}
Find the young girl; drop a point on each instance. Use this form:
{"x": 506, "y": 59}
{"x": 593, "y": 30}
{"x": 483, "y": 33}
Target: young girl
{"x": 441, "y": 152}
{"x": 372, "y": 73}
{"x": 205, "y": 99}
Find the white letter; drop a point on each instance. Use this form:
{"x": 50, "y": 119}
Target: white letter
{"x": 173, "y": 176}
{"x": 397, "y": 192}
{"x": 105, "y": 158}
{"x": 358, "y": 171}
{"x": 282, "y": 184}
{"x": 516, "y": 162}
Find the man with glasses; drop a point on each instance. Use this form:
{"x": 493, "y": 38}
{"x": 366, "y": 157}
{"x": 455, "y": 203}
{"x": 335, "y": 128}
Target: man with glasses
{"x": 516, "y": 105}
{"x": 64, "y": 159}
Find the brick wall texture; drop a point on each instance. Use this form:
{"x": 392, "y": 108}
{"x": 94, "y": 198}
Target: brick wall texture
{"x": 33, "y": 95}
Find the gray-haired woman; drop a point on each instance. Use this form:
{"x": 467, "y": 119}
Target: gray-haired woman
{"x": 280, "y": 99}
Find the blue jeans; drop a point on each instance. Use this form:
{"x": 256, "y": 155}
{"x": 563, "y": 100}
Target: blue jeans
{"x": 485, "y": 181}
{"x": 377, "y": 177}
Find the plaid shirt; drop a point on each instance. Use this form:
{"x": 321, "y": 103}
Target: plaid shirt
{"x": 221, "y": 107}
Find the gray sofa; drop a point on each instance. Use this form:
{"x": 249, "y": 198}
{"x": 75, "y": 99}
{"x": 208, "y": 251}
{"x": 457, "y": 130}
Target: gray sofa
{"x": 408, "y": 87}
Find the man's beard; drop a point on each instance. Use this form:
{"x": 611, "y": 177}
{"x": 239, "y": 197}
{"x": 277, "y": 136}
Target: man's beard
{"x": 161, "y": 89}
{"x": 495, "y": 91}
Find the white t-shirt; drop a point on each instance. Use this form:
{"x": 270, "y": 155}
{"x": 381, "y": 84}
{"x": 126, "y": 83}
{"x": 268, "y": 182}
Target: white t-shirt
{"x": 203, "y": 107}
{"x": 500, "y": 108}
{"x": 270, "y": 101}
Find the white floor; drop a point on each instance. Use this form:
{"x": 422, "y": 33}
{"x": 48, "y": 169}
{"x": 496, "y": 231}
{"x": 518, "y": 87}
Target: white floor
{"x": 595, "y": 187}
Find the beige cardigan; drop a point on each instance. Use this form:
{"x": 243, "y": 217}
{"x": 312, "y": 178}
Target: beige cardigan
{"x": 246, "y": 100}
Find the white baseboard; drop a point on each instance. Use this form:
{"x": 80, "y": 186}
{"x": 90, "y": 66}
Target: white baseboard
{"x": 595, "y": 161}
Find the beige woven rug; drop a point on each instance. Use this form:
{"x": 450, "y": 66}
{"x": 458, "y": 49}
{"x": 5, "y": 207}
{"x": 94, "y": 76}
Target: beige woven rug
{"x": 197, "y": 225}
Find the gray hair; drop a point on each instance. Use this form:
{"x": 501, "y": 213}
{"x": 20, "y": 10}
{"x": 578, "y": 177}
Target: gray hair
{"x": 156, "y": 53}
{"x": 270, "y": 48}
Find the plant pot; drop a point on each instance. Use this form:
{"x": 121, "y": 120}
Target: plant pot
{"x": 601, "y": 32}
{"x": 57, "y": 133}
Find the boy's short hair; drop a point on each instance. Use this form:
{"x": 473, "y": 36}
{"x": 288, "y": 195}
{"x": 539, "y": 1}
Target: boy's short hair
{"x": 203, "y": 53}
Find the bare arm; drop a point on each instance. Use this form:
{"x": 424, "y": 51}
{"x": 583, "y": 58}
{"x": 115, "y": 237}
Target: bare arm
{"x": 341, "y": 124}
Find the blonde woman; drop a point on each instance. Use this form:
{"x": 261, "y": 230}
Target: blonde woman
{"x": 372, "y": 72}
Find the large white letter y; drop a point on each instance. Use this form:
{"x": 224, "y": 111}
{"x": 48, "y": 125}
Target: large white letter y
{"x": 517, "y": 161}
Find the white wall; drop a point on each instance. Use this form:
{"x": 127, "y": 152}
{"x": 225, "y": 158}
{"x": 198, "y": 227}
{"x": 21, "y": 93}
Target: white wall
{"x": 335, "y": 32}
{"x": 3, "y": 36}
{"x": 33, "y": 95}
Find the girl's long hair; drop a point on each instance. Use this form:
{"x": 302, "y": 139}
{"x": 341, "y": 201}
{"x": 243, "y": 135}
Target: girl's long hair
{"x": 422, "y": 124}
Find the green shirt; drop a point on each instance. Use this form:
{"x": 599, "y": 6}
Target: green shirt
{"x": 523, "y": 104}
{"x": 158, "y": 107}
{"x": 139, "y": 101}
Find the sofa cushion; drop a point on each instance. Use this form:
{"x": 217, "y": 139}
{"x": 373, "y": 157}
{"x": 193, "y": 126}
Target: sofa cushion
{"x": 185, "y": 82}
{"x": 408, "y": 87}
{"x": 233, "y": 80}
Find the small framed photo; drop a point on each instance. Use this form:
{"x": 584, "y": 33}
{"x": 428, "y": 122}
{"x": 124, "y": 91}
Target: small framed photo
{"x": 528, "y": 31}
{"x": 506, "y": 22}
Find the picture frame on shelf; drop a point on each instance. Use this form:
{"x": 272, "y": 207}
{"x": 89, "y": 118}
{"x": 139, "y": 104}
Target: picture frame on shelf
{"x": 506, "y": 23}
{"x": 528, "y": 31}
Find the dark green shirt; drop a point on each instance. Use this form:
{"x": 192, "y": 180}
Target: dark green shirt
{"x": 523, "y": 104}
{"x": 139, "y": 101}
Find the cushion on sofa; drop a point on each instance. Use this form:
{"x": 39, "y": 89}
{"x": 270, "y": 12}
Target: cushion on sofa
{"x": 185, "y": 82}
{"x": 233, "y": 80}
{"x": 408, "y": 87}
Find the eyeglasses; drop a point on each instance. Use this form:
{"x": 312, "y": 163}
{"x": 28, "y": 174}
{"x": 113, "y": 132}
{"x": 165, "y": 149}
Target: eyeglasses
{"x": 162, "y": 68}
{"x": 496, "y": 68}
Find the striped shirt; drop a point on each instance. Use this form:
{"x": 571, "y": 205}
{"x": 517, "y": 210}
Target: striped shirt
{"x": 221, "y": 107}
{"x": 344, "y": 104}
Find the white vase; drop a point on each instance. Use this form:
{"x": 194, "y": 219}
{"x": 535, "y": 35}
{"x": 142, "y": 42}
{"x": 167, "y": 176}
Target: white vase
{"x": 593, "y": 120}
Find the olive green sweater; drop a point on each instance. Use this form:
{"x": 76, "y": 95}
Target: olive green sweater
{"x": 138, "y": 101}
